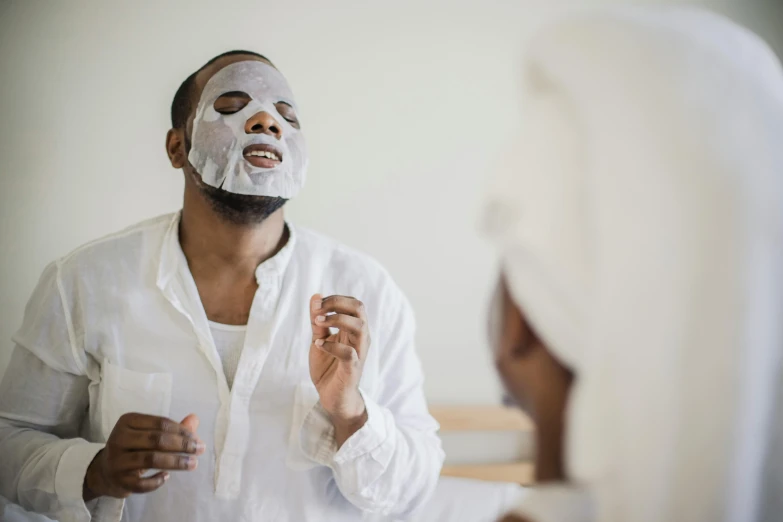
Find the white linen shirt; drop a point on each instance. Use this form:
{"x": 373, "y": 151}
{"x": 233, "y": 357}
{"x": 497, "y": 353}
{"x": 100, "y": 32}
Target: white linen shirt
{"x": 117, "y": 326}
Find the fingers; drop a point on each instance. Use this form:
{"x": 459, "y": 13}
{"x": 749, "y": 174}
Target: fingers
{"x": 342, "y": 352}
{"x": 140, "y": 443}
{"x": 160, "y": 440}
{"x": 319, "y": 331}
{"x": 345, "y": 323}
{"x": 136, "y": 460}
{"x": 342, "y": 305}
{"x": 346, "y": 314}
{"x": 141, "y": 421}
{"x": 136, "y": 484}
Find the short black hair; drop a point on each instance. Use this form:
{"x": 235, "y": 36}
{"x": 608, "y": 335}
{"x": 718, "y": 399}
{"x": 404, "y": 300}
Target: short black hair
{"x": 183, "y": 99}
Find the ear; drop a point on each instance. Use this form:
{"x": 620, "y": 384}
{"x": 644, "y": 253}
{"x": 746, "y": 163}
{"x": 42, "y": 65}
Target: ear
{"x": 175, "y": 148}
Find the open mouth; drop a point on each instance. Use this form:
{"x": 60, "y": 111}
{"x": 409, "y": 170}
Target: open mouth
{"x": 262, "y": 156}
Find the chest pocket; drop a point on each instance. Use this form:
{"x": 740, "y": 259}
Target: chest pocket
{"x": 127, "y": 391}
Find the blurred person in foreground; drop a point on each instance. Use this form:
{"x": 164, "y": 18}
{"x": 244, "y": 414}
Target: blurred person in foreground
{"x": 639, "y": 316}
{"x": 219, "y": 363}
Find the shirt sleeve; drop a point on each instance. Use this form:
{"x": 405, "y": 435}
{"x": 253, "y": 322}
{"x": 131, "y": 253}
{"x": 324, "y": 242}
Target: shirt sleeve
{"x": 43, "y": 401}
{"x": 391, "y": 465}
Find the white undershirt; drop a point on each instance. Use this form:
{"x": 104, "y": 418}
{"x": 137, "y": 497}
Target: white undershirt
{"x": 229, "y": 340}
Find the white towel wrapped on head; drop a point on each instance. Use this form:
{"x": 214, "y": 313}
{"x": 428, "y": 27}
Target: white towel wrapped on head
{"x": 641, "y": 230}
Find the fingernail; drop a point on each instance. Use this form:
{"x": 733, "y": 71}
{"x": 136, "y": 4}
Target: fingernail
{"x": 165, "y": 477}
{"x": 201, "y": 447}
{"x": 317, "y": 305}
{"x": 319, "y": 342}
{"x": 320, "y": 319}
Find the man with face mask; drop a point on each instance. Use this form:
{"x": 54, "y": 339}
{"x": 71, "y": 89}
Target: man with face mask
{"x": 288, "y": 358}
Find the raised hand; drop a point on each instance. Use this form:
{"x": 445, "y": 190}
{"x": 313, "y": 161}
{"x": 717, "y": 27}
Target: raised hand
{"x": 337, "y": 360}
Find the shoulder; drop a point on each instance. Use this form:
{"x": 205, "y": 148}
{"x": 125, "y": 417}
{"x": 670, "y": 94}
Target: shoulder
{"x": 337, "y": 258}
{"x": 119, "y": 250}
{"x": 343, "y": 270}
{"x": 52, "y": 326}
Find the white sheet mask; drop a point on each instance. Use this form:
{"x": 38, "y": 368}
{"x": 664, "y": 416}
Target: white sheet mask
{"x": 218, "y": 140}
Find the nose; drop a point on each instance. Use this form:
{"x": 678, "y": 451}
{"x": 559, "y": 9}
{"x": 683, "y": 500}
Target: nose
{"x": 263, "y": 123}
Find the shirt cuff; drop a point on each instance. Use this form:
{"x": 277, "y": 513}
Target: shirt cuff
{"x": 368, "y": 437}
{"x": 69, "y": 483}
{"x": 317, "y": 435}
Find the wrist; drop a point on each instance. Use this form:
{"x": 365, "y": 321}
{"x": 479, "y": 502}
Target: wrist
{"x": 350, "y": 420}
{"x": 354, "y": 422}
{"x": 91, "y": 485}
{"x": 349, "y": 410}
{"x": 344, "y": 429}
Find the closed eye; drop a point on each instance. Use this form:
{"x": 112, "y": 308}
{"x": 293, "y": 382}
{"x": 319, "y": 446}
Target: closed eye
{"x": 231, "y": 102}
{"x": 288, "y": 113}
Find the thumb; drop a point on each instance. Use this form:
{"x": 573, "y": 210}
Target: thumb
{"x": 319, "y": 332}
{"x": 191, "y": 422}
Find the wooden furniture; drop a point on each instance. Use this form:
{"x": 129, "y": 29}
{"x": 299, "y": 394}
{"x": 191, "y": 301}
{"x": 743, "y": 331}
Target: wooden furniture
{"x": 486, "y": 419}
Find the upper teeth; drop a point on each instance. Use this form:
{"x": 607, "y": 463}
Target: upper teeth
{"x": 263, "y": 154}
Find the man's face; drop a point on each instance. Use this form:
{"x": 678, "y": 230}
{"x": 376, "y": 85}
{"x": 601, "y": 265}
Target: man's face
{"x": 244, "y": 135}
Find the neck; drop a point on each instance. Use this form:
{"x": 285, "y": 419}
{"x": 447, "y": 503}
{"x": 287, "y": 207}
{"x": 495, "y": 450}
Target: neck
{"x": 549, "y": 450}
{"x": 213, "y": 245}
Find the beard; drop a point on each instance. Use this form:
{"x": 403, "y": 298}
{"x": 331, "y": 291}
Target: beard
{"x": 239, "y": 209}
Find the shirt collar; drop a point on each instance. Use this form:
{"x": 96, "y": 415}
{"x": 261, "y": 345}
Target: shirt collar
{"x": 172, "y": 258}
{"x": 275, "y": 266}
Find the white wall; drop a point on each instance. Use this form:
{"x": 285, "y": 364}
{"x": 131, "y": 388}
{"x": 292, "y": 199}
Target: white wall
{"x": 406, "y": 106}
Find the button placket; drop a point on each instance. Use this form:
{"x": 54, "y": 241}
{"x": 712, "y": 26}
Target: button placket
{"x": 254, "y": 354}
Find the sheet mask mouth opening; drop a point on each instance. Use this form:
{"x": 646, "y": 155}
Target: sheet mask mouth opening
{"x": 263, "y": 156}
